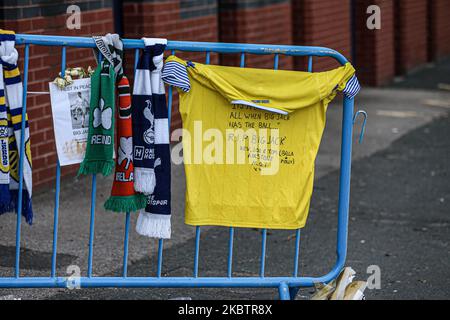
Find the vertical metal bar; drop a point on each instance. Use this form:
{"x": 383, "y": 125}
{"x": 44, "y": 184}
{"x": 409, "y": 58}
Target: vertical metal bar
{"x": 283, "y": 291}
{"x": 231, "y": 230}
{"x": 92, "y": 224}
{"x": 263, "y": 253}
{"x": 55, "y": 219}
{"x": 160, "y": 252}
{"x": 297, "y": 249}
{"x": 297, "y": 233}
{"x": 21, "y": 153}
{"x": 197, "y": 246}
{"x": 230, "y": 253}
{"x": 276, "y": 60}
{"x": 344, "y": 180}
{"x": 127, "y": 215}
{"x": 57, "y": 188}
{"x": 310, "y": 63}
{"x": 125, "y": 244}
{"x": 161, "y": 241}
{"x": 208, "y": 57}
{"x": 92, "y": 216}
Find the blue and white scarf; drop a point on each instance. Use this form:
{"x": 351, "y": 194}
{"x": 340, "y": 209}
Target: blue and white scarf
{"x": 151, "y": 149}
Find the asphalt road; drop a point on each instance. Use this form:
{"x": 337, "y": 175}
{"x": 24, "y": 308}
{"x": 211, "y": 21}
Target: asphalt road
{"x": 399, "y": 216}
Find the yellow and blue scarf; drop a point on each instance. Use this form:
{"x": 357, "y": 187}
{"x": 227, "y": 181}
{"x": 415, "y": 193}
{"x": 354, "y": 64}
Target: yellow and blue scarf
{"x": 11, "y": 91}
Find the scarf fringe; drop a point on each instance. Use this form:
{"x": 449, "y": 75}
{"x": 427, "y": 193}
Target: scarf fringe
{"x": 5, "y": 208}
{"x": 6, "y": 204}
{"x": 153, "y": 225}
{"x": 126, "y": 203}
{"x": 27, "y": 210}
{"x": 96, "y": 166}
{"x": 144, "y": 180}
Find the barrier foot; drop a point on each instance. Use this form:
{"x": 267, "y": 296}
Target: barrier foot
{"x": 283, "y": 290}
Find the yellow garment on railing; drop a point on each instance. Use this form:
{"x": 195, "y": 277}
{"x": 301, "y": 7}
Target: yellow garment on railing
{"x": 273, "y": 188}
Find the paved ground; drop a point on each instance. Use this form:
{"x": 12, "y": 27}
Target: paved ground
{"x": 399, "y": 214}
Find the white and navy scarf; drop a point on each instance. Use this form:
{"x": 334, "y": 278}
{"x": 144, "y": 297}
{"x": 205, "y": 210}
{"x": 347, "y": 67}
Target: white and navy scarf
{"x": 151, "y": 147}
{"x": 11, "y": 95}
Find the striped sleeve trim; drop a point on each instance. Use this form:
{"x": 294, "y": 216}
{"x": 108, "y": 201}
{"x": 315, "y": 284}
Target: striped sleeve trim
{"x": 175, "y": 74}
{"x": 352, "y": 87}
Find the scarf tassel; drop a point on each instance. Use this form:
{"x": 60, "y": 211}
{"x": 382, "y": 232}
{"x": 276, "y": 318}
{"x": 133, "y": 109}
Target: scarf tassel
{"x": 126, "y": 203}
{"x": 153, "y": 225}
{"x": 12, "y": 204}
{"x": 6, "y": 203}
{"x": 144, "y": 180}
{"x": 105, "y": 167}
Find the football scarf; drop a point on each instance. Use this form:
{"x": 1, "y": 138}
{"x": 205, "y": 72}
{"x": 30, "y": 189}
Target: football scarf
{"x": 151, "y": 142}
{"x": 100, "y": 144}
{"x": 123, "y": 197}
{"x": 11, "y": 108}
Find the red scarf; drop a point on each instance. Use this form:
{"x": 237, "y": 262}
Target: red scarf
{"x": 123, "y": 197}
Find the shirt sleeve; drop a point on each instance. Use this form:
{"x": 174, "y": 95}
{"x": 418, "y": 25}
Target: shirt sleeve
{"x": 342, "y": 79}
{"x": 352, "y": 87}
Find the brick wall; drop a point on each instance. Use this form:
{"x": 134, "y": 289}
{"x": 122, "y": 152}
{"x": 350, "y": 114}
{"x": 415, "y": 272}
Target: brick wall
{"x": 324, "y": 23}
{"x": 194, "y": 20}
{"x": 439, "y": 29}
{"x": 411, "y": 36}
{"x": 32, "y": 16}
{"x": 253, "y": 21}
{"x": 374, "y": 49}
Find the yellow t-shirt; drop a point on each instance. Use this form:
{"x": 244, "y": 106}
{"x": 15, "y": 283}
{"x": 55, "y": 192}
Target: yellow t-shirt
{"x": 250, "y": 141}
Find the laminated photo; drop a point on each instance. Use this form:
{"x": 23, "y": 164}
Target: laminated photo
{"x": 70, "y": 109}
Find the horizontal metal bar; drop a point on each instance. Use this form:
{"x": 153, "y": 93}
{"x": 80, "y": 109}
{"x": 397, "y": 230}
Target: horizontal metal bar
{"x": 88, "y": 42}
{"x": 155, "y": 282}
{"x": 173, "y": 282}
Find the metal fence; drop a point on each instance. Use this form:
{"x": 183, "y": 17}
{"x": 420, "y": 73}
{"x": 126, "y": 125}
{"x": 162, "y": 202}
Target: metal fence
{"x": 287, "y": 285}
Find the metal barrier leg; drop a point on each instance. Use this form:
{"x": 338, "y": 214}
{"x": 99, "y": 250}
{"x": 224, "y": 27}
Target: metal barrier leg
{"x": 283, "y": 290}
{"x": 22, "y": 153}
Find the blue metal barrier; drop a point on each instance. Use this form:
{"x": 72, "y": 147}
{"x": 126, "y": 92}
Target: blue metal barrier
{"x": 288, "y": 285}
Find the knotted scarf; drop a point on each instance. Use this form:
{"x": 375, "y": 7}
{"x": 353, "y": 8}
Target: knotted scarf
{"x": 11, "y": 108}
{"x": 100, "y": 144}
{"x": 151, "y": 141}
